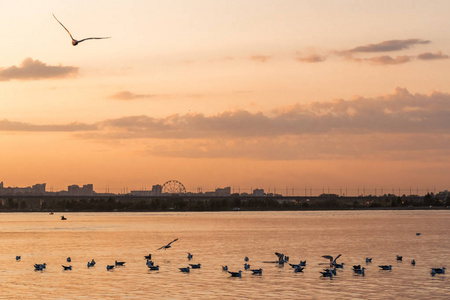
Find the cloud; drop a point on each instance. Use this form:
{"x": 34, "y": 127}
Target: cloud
{"x": 389, "y": 60}
{"x": 387, "y": 46}
{"x": 400, "y": 112}
{"x": 6, "y": 125}
{"x": 127, "y": 95}
{"x": 399, "y": 125}
{"x": 324, "y": 147}
{"x": 432, "y": 56}
{"x": 313, "y": 58}
{"x": 36, "y": 70}
{"x": 260, "y": 58}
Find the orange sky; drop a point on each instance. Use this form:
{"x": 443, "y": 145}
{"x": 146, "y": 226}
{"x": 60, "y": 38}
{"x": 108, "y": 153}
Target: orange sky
{"x": 247, "y": 94}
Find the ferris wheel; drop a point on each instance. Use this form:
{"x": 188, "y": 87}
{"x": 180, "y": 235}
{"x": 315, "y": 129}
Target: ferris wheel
{"x": 173, "y": 187}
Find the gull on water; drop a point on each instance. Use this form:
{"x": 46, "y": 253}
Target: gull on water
{"x": 69, "y": 259}
{"x": 399, "y": 258}
{"x": 189, "y": 257}
{"x": 332, "y": 271}
{"x": 76, "y": 42}
{"x": 224, "y": 268}
{"x": 386, "y": 267}
{"x": 300, "y": 264}
{"x": 332, "y": 261}
{"x": 256, "y": 271}
{"x": 368, "y": 260}
{"x": 328, "y": 273}
{"x": 246, "y": 266}
{"x": 282, "y": 258}
{"x": 298, "y": 268}
{"x": 153, "y": 268}
{"x": 67, "y": 268}
{"x": 197, "y": 266}
{"x": 359, "y": 271}
{"x": 109, "y": 267}
{"x": 119, "y": 263}
{"x": 91, "y": 263}
{"x": 168, "y": 245}
{"x": 435, "y": 271}
{"x": 184, "y": 270}
{"x": 18, "y": 257}
{"x": 236, "y": 274}
{"x": 148, "y": 257}
{"x": 40, "y": 267}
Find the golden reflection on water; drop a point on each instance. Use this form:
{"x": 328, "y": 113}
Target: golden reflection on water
{"x": 224, "y": 238}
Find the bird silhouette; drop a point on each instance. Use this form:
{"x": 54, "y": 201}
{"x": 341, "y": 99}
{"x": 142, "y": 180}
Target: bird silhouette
{"x": 236, "y": 274}
{"x": 167, "y": 246}
{"x": 332, "y": 261}
{"x": 76, "y": 42}
{"x": 256, "y": 271}
{"x": 195, "y": 266}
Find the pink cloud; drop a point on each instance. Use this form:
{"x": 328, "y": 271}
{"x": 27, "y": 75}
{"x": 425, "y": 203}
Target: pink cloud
{"x": 31, "y": 69}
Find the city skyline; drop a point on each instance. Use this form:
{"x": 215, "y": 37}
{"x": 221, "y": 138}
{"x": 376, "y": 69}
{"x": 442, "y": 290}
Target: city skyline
{"x": 248, "y": 93}
{"x": 161, "y": 189}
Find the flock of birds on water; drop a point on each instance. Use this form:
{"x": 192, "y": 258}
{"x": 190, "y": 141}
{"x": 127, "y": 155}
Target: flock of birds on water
{"x": 329, "y": 272}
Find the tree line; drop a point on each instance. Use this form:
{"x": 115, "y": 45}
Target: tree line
{"x": 218, "y": 203}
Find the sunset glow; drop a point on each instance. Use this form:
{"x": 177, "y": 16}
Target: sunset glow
{"x": 271, "y": 94}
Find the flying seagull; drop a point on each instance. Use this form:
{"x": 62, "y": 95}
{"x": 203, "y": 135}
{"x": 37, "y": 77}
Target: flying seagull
{"x": 168, "y": 245}
{"x": 76, "y": 42}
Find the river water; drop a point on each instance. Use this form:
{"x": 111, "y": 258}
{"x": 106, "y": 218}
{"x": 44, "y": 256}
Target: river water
{"x": 224, "y": 238}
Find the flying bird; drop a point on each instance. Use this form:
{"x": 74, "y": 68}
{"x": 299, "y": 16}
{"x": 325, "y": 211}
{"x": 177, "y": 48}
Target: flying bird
{"x": 168, "y": 245}
{"x": 76, "y": 42}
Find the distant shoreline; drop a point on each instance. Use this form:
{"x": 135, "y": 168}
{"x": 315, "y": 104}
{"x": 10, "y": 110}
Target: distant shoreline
{"x": 235, "y": 211}
{"x": 180, "y": 203}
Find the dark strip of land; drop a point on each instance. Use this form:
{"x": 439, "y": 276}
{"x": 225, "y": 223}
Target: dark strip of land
{"x": 102, "y": 203}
